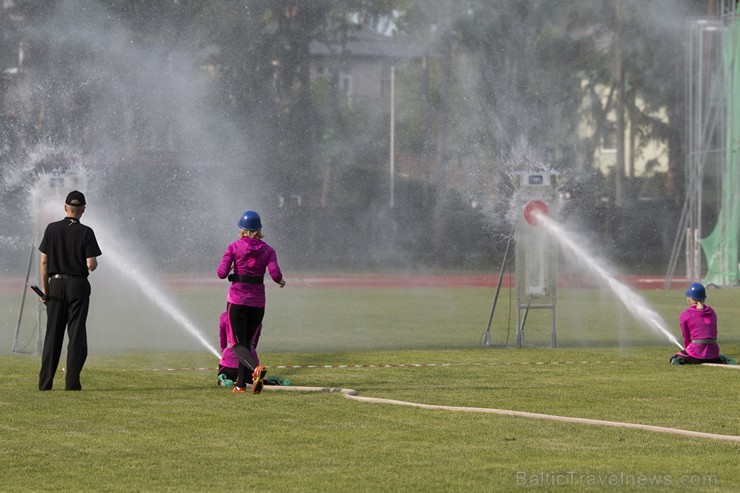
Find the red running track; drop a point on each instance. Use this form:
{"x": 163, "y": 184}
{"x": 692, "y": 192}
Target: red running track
{"x": 439, "y": 281}
{"x": 397, "y": 281}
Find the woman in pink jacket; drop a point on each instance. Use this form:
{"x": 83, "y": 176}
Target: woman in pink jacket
{"x": 699, "y": 328}
{"x": 248, "y": 257}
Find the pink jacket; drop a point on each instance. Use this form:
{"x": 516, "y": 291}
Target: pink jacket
{"x": 249, "y": 257}
{"x": 697, "y": 325}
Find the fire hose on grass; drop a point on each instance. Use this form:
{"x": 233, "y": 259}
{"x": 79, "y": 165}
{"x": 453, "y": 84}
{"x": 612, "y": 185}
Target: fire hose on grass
{"x": 354, "y": 395}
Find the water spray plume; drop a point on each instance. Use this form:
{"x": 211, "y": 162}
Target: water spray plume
{"x": 631, "y": 300}
{"x": 120, "y": 261}
{"x": 45, "y": 198}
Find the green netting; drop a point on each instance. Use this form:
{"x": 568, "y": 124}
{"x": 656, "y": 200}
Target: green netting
{"x": 721, "y": 246}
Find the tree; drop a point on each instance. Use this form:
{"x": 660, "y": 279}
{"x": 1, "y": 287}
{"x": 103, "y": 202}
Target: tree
{"x": 534, "y": 62}
{"x": 653, "y": 43}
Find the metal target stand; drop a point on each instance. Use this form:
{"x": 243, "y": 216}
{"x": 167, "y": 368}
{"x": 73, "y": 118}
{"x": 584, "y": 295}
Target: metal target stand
{"x": 46, "y": 199}
{"x": 535, "y": 255}
{"x": 486, "y": 338}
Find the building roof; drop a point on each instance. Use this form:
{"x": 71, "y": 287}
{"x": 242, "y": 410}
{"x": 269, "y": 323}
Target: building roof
{"x": 367, "y": 43}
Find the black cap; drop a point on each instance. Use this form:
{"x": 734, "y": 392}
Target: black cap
{"x": 75, "y": 198}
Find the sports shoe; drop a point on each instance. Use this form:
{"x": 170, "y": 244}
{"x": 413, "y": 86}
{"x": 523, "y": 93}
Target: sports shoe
{"x": 238, "y": 390}
{"x": 225, "y": 381}
{"x": 258, "y": 379}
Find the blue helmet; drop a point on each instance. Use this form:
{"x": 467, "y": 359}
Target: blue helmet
{"x": 250, "y": 221}
{"x": 696, "y": 292}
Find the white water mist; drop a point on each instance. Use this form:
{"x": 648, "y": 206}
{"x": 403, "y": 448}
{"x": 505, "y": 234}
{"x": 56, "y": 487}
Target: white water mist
{"x": 122, "y": 262}
{"x": 631, "y": 300}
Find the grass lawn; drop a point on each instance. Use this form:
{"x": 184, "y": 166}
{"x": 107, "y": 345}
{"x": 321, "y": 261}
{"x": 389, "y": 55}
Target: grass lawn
{"x": 154, "y": 420}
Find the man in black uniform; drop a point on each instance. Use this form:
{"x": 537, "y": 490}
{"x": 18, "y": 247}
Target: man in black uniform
{"x": 69, "y": 252}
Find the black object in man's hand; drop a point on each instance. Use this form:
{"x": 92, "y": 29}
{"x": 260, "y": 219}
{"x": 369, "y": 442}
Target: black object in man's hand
{"x": 38, "y": 291}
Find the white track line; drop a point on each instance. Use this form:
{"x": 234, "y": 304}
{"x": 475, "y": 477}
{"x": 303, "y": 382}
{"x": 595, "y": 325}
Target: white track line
{"x": 353, "y": 394}
{"x": 432, "y": 365}
{"x": 404, "y": 365}
{"x": 720, "y": 365}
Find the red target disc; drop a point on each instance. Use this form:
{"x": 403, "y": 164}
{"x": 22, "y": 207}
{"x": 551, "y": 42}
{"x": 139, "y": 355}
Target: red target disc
{"x": 533, "y": 209}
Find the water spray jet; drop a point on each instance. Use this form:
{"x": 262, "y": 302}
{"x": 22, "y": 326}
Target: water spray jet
{"x": 634, "y": 303}
{"x": 535, "y": 231}
{"x": 121, "y": 262}
{"x": 47, "y": 196}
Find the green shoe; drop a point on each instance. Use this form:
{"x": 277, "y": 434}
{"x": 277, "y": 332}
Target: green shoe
{"x": 678, "y": 360}
{"x": 224, "y": 381}
{"x": 273, "y": 380}
{"x": 728, "y": 360}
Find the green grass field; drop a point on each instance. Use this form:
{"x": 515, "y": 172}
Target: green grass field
{"x": 151, "y": 419}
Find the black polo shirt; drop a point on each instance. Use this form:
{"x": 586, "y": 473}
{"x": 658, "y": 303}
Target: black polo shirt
{"x": 68, "y": 244}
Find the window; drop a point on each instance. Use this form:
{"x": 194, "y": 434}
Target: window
{"x": 609, "y": 138}
{"x": 345, "y": 83}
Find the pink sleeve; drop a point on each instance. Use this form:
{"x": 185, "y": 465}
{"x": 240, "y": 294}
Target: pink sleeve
{"x": 273, "y": 267}
{"x": 683, "y": 321}
{"x": 226, "y": 262}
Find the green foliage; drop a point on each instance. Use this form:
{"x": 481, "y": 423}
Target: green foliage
{"x": 503, "y": 83}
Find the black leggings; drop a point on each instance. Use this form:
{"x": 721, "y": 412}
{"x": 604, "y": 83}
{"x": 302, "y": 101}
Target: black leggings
{"x": 245, "y": 322}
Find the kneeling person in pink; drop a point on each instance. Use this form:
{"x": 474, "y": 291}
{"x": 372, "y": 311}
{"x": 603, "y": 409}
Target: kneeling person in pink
{"x": 249, "y": 257}
{"x": 699, "y": 328}
{"x": 228, "y": 364}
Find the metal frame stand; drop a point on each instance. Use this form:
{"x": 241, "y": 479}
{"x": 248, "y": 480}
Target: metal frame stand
{"x": 535, "y": 256}
{"x": 709, "y": 101}
{"x": 37, "y": 330}
{"x": 525, "y": 301}
{"x": 536, "y": 252}
{"x": 522, "y": 320}
{"x": 486, "y": 339}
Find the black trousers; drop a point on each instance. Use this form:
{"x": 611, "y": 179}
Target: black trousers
{"x": 67, "y": 304}
{"x": 244, "y": 321}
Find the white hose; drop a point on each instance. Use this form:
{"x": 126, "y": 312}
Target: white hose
{"x": 354, "y": 395}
